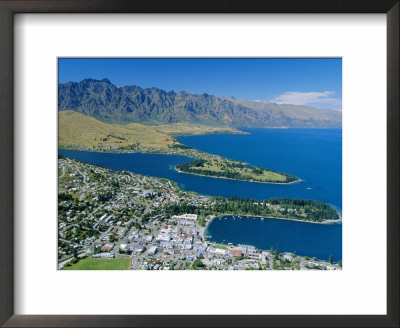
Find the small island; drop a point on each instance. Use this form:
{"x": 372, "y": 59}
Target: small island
{"x": 219, "y": 167}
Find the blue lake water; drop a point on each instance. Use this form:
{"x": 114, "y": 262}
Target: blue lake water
{"x": 311, "y": 239}
{"x": 155, "y": 165}
{"x": 314, "y": 155}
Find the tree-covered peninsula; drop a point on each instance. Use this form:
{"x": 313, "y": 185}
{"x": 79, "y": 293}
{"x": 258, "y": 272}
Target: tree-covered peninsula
{"x": 224, "y": 168}
{"x": 287, "y": 208}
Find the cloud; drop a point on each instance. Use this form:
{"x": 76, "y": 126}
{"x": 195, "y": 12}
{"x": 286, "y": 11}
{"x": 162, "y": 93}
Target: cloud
{"x": 323, "y": 99}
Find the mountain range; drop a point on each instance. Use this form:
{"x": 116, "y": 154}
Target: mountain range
{"x": 127, "y": 104}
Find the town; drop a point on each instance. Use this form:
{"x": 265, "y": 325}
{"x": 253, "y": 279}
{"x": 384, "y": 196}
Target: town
{"x": 105, "y": 215}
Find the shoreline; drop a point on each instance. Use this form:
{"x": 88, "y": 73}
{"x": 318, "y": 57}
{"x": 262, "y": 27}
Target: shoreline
{"x": 216, "y": 177}
{"x": 246, "y": 215}
{"x": 207, "y": 237}
{"x": 340, "y": 220}
{"x": 178, "y": 135}
{"x": 177, "y": 170}
{"x": 231, "y": 246}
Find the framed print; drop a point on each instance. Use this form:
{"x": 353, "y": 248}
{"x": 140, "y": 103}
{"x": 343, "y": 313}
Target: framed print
{"x": 220, "y": 164}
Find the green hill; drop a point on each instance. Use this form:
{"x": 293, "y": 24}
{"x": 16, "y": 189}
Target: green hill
{"x": 76, "y": 130}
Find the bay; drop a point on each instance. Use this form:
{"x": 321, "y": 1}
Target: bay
{"x": 156, "y": 165}
{"x": 313, "y": 155}
{"x": 301, "y": 238}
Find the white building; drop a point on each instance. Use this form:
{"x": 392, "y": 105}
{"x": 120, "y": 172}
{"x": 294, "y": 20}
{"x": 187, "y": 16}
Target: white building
{"x": 218, "y": 251}
{"x": 124, "y": 247}
{"x": 104, "y": 255}
{"x": 152, "y": 250}
{"x": 163, "y": 237}
{"x": 192, "y": 217}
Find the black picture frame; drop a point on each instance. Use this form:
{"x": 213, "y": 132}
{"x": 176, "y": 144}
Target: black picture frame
{"x": 10, "y": 7}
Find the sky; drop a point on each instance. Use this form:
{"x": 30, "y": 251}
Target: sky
{"x": 315, "y": 82}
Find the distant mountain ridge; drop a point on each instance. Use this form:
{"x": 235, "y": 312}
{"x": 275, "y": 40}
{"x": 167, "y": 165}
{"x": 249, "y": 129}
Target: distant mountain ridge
{"x": 105, "y": 101}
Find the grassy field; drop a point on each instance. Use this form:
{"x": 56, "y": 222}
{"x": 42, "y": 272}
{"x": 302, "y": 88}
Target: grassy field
{"x": 184, "y": 129}
{"x": 101, "y": 264}
{"x": 219, "y": 167}
{"x": 220, "y": 246}
{"x": 78, "y": 130}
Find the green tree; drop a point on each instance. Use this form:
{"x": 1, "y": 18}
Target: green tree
{"x": 113, "y": 237}
{"x": 197, "y": 264}
{"x": 277, "y": 252}
{"x": 201, "y": 220}
{"x": 75, "y": 254}
{"x": 330, "y": 259}
{"x": 274, "y": 266}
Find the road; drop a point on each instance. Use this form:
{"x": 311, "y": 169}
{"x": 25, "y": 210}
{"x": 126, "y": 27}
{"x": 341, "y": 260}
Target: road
{"x": 63, "y": 171}
{"x": 149, "y": 205}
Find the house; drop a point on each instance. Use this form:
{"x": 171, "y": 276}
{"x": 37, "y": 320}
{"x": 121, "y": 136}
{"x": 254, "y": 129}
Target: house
{"x": 163, "y": 237}
{"x": 237, "y": 253}
{"x": 103, "y": 217}
{"x": 107, "y": 247}
{"x": 124, "y": 247}
{"x": 254, "y": 256}
{"x": 288, "y": 256}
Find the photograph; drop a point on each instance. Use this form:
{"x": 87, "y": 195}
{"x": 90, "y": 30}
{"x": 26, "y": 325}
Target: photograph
{"x": 199, "y": 163}
{"x": 176, "y": 150}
